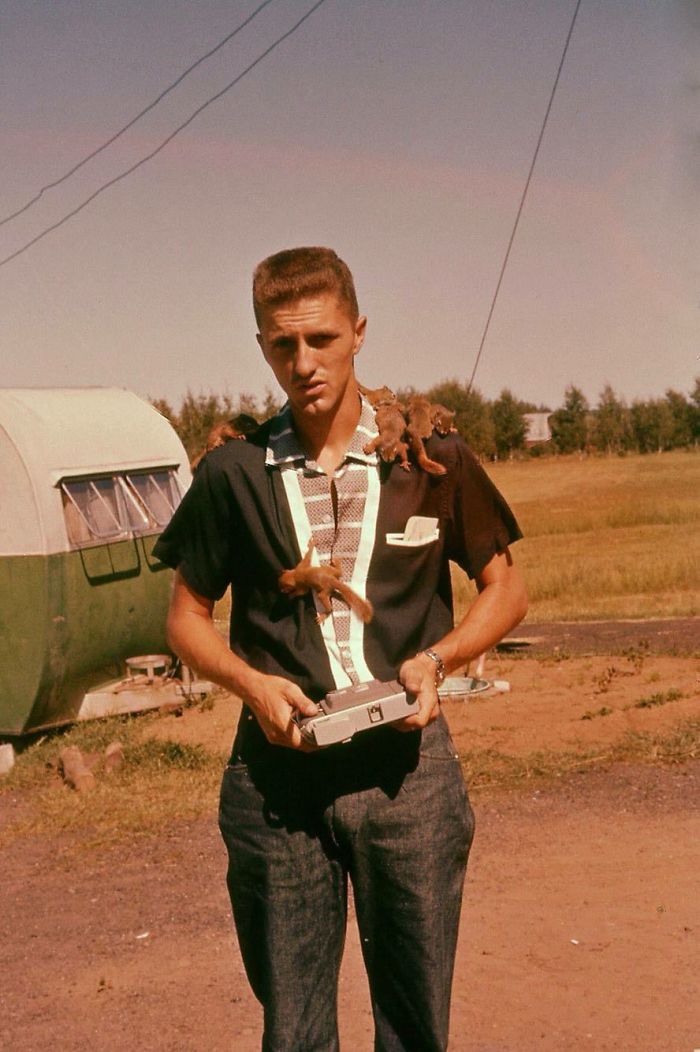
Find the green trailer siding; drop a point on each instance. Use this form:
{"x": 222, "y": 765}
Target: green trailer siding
{"x": 68, "y": 620}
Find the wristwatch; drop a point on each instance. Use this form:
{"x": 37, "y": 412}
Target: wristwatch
{"x": 440, "y": 671}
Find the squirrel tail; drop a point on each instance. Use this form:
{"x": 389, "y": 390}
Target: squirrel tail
{"x": 362, "y": 607}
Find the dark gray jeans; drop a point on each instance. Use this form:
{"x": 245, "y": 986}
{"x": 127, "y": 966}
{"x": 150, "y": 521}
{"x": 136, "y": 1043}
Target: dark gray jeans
{"x": 390, "y": 811}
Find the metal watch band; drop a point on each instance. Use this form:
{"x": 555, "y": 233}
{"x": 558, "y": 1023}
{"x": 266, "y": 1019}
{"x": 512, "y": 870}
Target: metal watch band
{"x": 440, "y": 672}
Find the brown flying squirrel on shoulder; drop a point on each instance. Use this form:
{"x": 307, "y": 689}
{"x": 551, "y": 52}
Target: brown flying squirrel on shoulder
{"x": 389, "y": 442}
{"x": 392, "y": 424}
{"x": 239, "y": 427}
{"x": 443, "y": 419}
{"x": 325, "y": 581}
{"x": 420, "y": 426}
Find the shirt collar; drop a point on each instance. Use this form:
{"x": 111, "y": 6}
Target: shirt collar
{"x": 283, "y": 445}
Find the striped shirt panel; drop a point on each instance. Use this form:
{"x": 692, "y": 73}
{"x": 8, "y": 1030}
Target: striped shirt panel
{"x": 339, "y": 540}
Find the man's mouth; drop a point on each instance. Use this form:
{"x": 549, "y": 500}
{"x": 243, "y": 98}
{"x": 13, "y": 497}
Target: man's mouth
{"x": 313, "y": 387}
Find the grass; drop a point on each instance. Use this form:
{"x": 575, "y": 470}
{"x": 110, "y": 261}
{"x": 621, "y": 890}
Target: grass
{"x": 593, "y": 714}
{"x": 164, "y": 781}
{"x": 488, "y": 768}
{"x": 158, "y": 782}
{"x": 605, "y": 538}
{"x": 661, "y": 698}
{"x": 652, "y": 701}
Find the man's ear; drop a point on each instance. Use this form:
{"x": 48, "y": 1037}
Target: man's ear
{"x": 360, "y": 330}
{"x": 259, "y": 338}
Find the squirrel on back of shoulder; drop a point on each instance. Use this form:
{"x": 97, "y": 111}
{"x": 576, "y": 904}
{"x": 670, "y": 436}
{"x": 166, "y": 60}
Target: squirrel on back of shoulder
{"x": 239, "y": 428}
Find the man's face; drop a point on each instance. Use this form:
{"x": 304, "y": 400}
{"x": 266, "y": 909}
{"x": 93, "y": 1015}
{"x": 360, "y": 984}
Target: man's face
{"x": 310, "y": 344}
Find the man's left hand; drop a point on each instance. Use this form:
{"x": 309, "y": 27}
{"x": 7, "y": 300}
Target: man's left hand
{"x": 418, "y": 677}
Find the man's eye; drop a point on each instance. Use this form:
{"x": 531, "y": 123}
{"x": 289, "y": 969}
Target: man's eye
{"x": 321, "y": 340}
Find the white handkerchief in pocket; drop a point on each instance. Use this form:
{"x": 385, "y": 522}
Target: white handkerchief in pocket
{"x": 420, "y": 531}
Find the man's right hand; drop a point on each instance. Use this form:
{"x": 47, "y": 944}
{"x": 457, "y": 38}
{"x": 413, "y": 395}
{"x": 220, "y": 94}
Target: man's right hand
{"x": 275, "y": 702}
{"x": 273, "y": 699}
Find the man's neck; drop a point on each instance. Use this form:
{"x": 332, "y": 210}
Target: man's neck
{"x": 325, "y": 439}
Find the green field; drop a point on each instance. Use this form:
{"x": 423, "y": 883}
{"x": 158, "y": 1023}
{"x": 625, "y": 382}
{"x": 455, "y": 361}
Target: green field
{"x": 605, "y": 537}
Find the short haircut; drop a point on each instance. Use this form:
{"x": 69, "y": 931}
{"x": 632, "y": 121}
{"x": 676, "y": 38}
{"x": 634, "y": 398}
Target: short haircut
{"x": 298, "y": 273}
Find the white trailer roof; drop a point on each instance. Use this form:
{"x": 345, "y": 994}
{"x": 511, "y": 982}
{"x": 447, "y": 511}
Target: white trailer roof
{"x": 58, "y": 433}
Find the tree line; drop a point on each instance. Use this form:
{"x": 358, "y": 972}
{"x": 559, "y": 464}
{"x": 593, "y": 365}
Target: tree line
{"x": 496, "y": 429}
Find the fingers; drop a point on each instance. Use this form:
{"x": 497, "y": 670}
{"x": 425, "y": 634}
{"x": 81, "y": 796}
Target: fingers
{"x": 276, "y": 703}
{"x": 417, "y": 676}
{"x": 428, "y": 711}
{"x": 290, "y": 736}
{"x": 420, "y": 681}
{"x": 299, "y": 701}
{"x": 294, "y": 739}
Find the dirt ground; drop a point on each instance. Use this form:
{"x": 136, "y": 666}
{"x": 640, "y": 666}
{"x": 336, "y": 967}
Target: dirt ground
{"x": 582, "y": 907}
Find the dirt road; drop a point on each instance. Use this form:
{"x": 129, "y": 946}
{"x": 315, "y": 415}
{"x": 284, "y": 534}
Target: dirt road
{"x": 582, "y": 909}
{"x": 580, "y": 930}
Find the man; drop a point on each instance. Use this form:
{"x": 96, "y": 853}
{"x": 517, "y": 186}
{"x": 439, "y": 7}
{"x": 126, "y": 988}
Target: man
{"x": 388, "y": 809}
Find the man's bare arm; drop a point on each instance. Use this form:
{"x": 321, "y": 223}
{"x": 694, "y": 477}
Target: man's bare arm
{"x": 500, "y": 605}
{"x": 194, "y": 638}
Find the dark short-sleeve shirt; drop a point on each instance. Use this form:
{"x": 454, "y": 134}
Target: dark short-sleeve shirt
{"x": 242, "y": 523}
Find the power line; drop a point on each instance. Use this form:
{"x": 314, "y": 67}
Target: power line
{"x": 522, "y": 199}
{"x": 153, "y": 153}
{"x": 132, "y": 122}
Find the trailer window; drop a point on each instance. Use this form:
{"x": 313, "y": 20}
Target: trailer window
{"x": 92, "y": 510}
{"x": 121, "y": 505}
{"x": 157, "y": 496}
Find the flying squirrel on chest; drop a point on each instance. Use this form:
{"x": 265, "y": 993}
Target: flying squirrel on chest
{"x": 326, "y": 581}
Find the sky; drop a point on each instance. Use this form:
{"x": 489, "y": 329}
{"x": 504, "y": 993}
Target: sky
{"x": 399, "y": 132}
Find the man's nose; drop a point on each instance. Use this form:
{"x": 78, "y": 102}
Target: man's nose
{"x": 304, "y": 360}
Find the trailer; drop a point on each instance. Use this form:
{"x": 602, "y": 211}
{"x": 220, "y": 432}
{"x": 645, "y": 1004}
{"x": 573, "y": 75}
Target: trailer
{"x": 89, "y": 477}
